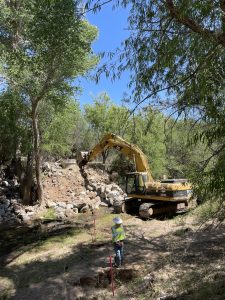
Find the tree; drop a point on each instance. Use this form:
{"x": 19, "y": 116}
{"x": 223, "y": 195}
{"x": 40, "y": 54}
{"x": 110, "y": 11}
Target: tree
{"x": 182, "y": 155}
{"x": 176, "y": 54}
{"x": 147, "y": 131}
{"x": 14, "y": 128}
{"x": 57, "y": 128}
{"x": 44, "y": 46}
{"x": 105, "y": 117}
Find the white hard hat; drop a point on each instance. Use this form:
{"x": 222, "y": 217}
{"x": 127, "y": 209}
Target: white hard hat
{"x": 118, "y": 220}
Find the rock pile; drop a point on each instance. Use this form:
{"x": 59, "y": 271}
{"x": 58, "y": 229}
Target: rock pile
{"x": 66, "y": 191}
{"x": 13, "y": 212}
{"x": 69, "y": 192}
{"x": 9, "y": 198}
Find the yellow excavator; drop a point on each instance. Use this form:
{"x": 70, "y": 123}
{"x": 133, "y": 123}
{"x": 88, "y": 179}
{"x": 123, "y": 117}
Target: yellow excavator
{"x": 144, "y": 195}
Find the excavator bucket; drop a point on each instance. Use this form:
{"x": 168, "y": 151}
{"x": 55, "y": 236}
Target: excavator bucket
{"x": 81, "y": 158}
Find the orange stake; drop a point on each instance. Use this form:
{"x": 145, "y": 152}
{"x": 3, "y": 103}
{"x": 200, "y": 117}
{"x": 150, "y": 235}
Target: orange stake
{"x": 111, "y": 275}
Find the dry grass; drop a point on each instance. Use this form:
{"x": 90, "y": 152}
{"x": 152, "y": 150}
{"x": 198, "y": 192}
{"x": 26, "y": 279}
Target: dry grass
{"x": 185, "y": 264}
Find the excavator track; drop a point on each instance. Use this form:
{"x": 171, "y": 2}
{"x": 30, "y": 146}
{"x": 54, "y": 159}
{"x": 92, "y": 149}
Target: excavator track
{"x": 149, "y": 210}
{"x": 119, "y": 206}
{"x": 145, "y": 210}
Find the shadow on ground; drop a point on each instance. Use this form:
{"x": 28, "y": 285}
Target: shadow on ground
{"x": 186, "y": 265}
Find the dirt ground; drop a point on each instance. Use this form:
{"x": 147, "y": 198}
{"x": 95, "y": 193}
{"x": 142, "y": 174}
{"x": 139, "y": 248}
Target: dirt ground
{"x": 164, "y": 259}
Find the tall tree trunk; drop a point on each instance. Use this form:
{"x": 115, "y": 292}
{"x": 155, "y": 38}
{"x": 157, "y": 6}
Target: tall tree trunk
{"x": 25, "y": 176}
{"x": 37, "y": 156}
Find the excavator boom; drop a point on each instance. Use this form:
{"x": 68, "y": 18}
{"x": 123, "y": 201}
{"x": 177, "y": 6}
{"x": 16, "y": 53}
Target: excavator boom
{"x": 112, "y": 141}
{"x": 148, "y": 196}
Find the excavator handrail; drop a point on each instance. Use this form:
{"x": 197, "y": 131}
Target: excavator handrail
{"x": 132, "y": 151}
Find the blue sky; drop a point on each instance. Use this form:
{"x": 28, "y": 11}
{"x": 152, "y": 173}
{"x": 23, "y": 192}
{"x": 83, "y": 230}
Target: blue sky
{"x": 112, "y": 26}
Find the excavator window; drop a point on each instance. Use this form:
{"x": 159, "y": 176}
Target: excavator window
{"x": 135, "y": 184}
{"x": 131, "y": 184}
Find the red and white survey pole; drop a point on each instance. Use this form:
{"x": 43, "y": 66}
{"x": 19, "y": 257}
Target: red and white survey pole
{"x": 111, "y": 275}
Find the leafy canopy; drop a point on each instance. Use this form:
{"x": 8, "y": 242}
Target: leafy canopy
{"x": 176, "y": 55}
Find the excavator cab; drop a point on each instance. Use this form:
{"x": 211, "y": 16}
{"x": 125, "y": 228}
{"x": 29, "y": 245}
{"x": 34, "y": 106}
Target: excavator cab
{"x": 136, "y": 182}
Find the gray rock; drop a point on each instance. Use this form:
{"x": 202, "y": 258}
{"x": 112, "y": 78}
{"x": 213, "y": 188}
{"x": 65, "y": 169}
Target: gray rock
{"x": 46, "y": 167}
{"x": 75, "y": 209}
{"x": 25, "y": 218}
{"x": 5, "y": 183}
{"x": 102, "y": 191}
{"x": 30, "y": 213}
{"x": 29, "y": 209}
{"x": 107, "y": 190}
{"x": 50, "y": 204}
{"x": 102, "y": 195}
{"x": 60, "y": 215}
{"x": 6, "y": 203}
{"x": 92, "y": 194}
{"x": 113, "y": 195}
{"x": 69, "y": 213}
{"x": 89, "y": 188}
{"x": 14, "y": 182}
{"x": 103, "y": 204}
{"x": 1, "y": 219}
{"x": 76, "y": 205}
{"x": 17, "y": 208}
{"x": 14, "y": 201}
{"x": 84, "y": 209}
{"x": 69, "y": 206}
{"x": 96, "y": 203}
{"x": 2, "y": 212}
{"x": 115, "y": 188}
{"x": 61, "y": 204}
{"x": 7, "y": 214}
{"x": 83, "y": 193}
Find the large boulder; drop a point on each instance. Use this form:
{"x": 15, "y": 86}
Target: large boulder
{"x": 51, "y": 204}
{"x": 69, "y": 206}
{"x": 112, "y": 196}
{"x": 5, "y": 183}
{"x": 69, "y": 213}
{"x": 92, "y": 194}
{"x": 61, "y": 204}
{"x": 84, "y": 208}
{"x": 95, "y": 203}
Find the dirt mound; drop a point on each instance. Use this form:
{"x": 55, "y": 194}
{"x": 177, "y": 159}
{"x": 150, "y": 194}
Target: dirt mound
{"x": 69, "y": 190}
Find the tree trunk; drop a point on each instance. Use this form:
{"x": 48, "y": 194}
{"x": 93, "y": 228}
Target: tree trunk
{"x": 37, "y": 156}
{"x": 25, "y": 176}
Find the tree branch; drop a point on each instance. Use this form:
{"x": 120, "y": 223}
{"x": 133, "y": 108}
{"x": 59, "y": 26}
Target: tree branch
{"x": 151, "y": 30}
{"x": 194, "y": 26}
{"x": 215, "y": 153}
{"x": 187, "y": 78}
{"x": 222, "y": 7}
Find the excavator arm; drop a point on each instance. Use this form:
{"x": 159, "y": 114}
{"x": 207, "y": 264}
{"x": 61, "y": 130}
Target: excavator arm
{"x": 113, "y": 141}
